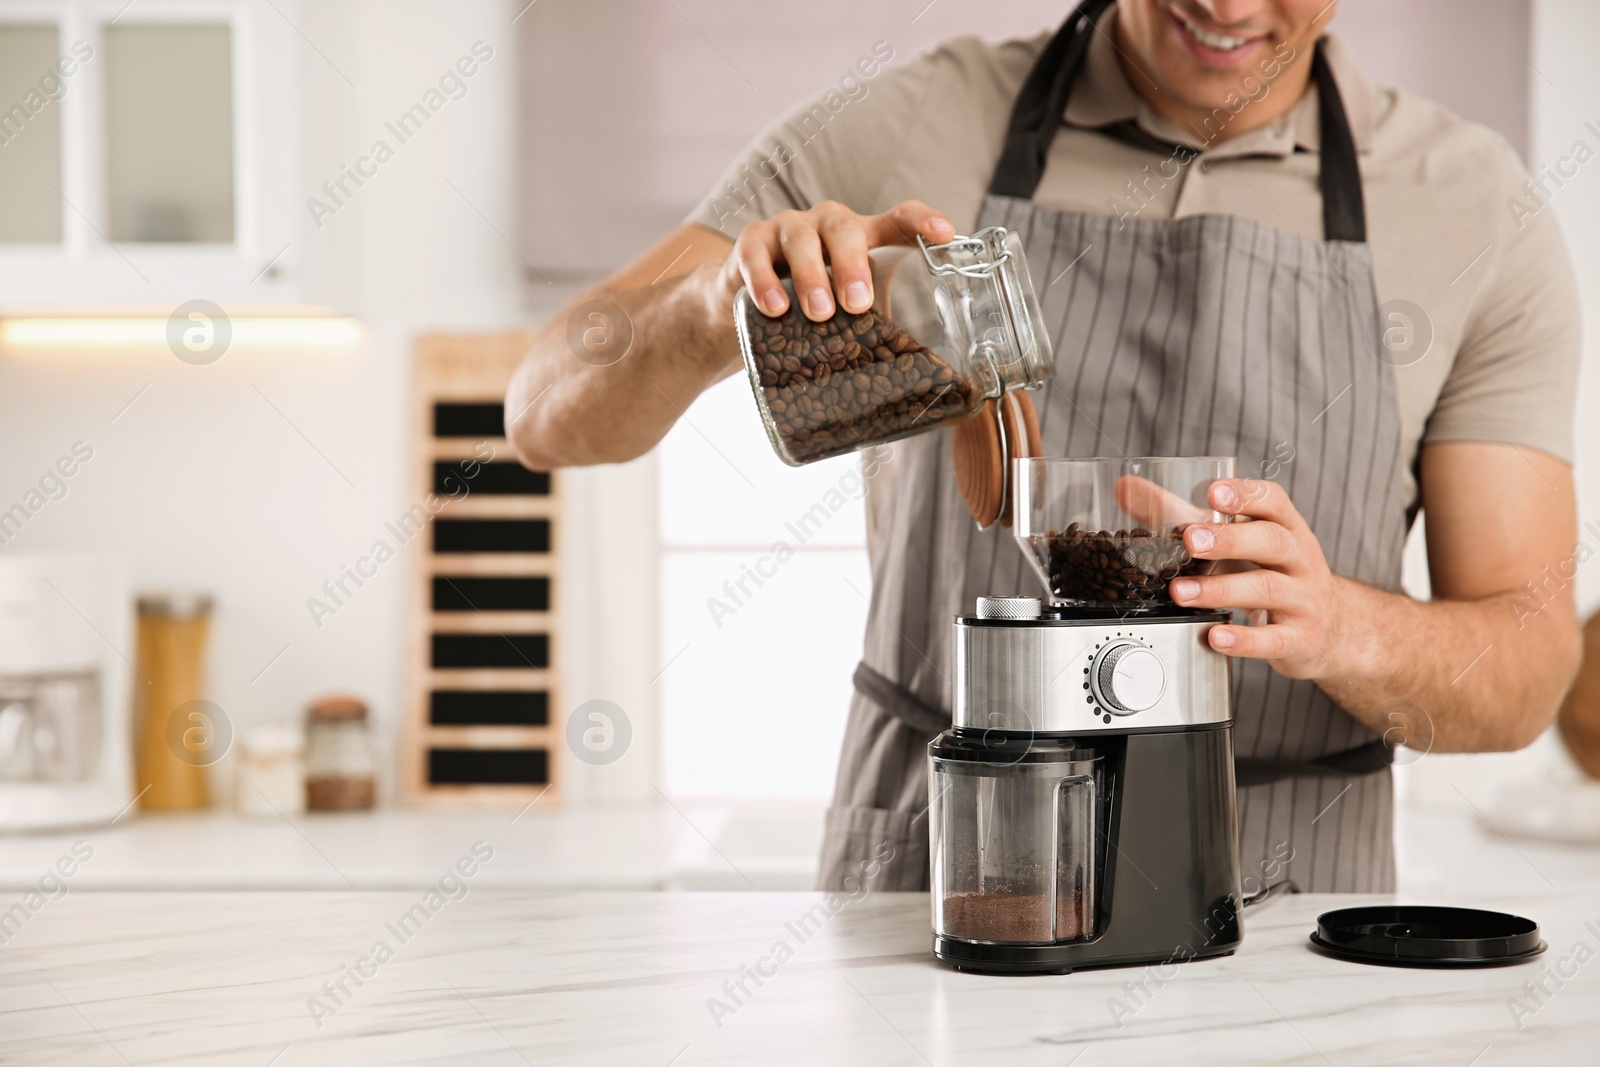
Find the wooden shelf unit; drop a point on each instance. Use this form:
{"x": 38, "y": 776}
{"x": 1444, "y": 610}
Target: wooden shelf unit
{"x": 482, "y": 721}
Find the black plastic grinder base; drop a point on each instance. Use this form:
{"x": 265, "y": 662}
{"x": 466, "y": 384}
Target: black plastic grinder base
{"x": 987, "y": 957}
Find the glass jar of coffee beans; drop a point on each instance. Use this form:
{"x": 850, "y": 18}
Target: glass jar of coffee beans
{"x": 951, "y": 325}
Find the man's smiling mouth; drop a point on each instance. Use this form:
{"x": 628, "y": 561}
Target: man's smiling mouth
{"x": 1219, "y": 41}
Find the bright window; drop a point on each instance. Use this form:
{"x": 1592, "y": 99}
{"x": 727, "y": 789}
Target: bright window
{"x": 764, "y": 582}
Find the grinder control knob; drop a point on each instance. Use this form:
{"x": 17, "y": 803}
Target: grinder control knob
{"x": 1128, "y": 678}
{"x": 1010, "y": 607}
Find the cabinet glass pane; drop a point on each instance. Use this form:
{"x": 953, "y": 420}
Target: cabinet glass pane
{"x": 30, "y": 134}
{"x": 169, "y": 132}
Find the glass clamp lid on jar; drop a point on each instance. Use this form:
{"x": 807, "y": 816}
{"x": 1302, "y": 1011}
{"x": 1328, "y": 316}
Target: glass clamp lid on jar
{"x": 951, "y": 326}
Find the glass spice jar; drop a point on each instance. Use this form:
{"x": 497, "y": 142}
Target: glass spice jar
{"x": 341, "y": 774}
{"x": 271, "y": 776}
{"x": 951, "y": 326}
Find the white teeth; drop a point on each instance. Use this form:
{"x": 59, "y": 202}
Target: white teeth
{"x": 1213, "y": 40}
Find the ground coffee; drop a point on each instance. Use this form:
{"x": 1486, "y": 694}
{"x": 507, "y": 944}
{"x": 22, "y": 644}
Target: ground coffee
{"x": 1012, "y": 917}
{"x": 851, "y": 380}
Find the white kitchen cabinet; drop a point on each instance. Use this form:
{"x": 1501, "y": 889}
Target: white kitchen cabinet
{"x": 152, "y": 156}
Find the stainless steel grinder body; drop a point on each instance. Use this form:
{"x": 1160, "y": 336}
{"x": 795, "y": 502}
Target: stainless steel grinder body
{"x": 1133, "y": 858}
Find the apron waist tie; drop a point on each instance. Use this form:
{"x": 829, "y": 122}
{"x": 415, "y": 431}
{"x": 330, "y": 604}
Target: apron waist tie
{"x": 898, "y": 701}
{"x": 1353, "y": 762}
{"x": 925, "y": 719}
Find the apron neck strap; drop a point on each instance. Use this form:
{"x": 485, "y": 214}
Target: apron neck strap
{"x": 1042, "y": 102}
{"x": 1344, "y": 209}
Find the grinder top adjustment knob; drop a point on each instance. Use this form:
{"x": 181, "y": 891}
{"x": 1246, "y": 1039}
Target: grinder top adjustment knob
{"x": 1020, "y": 608}
{"x": 1128, "y": 677}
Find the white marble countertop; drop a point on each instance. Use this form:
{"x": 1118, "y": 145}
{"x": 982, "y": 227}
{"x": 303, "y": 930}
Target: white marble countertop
{"x": 612, "y": 846}
{"x": 635, "y": 846}
{"x": 499, "y": 977}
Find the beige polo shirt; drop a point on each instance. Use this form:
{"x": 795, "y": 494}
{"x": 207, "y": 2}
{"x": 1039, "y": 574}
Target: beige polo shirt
{"x": 1452, "y": 227}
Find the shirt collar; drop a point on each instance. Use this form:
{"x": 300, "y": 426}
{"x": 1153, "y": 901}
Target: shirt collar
{"x": 1103, "y": 97}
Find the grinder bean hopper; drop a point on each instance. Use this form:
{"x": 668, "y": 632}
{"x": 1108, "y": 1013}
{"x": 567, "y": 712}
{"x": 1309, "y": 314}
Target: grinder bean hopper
{"x": 1082, "y": 808}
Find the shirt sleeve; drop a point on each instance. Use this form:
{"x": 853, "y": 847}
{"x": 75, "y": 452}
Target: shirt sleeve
{"x": 1515, "y": 374}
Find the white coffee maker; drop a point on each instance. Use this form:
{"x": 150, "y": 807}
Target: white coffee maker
{"x": 65, "y": 650}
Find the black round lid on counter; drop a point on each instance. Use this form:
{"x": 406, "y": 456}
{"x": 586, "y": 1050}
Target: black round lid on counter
{"x": 1418, "y": 935}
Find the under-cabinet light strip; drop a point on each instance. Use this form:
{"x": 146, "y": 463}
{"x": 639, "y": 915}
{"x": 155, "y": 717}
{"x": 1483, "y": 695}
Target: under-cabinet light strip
{"x": 320, "y": 332}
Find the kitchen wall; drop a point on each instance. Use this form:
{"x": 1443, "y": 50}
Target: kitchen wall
{"x": 1419, "y": 45}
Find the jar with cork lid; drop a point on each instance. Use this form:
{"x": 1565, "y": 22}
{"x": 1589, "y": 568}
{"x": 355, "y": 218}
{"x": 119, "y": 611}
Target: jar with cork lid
{"x": 341, "y": 772}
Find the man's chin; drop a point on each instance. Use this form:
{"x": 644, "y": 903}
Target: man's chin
{"x": 1202, "y": 88}
{"x": 1206, "y": 97}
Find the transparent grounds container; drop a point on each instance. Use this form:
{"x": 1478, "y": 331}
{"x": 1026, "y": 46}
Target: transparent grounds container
{"x": 1014, "y": 857}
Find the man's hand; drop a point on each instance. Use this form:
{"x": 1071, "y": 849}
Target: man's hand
{"x": 1480, "y": 667}
{"x": 1290, "y": 593}
{"x": 829, "y": 233}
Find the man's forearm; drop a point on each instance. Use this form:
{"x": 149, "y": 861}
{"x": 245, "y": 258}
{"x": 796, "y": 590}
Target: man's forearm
{"x": 1449, "y": 676}
{"x": 564, "y": 410}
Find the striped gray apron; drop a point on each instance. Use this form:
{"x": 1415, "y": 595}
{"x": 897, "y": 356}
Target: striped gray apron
{"x": 1207, "y": 335}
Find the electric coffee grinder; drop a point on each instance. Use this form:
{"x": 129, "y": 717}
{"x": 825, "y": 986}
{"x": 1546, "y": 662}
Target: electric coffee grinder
{"x": 1082, "y": 808}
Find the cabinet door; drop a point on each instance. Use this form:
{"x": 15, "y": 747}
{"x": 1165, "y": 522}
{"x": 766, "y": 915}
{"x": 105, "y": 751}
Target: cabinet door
{"x": 146, "y": 157}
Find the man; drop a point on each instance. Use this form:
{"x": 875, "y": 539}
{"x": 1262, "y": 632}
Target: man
{"x": 1242, "y": 248}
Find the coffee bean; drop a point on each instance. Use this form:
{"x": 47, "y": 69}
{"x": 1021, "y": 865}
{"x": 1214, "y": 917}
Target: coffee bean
{"x": 1121, "y": 567}
{"x": 832, "y": 386}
